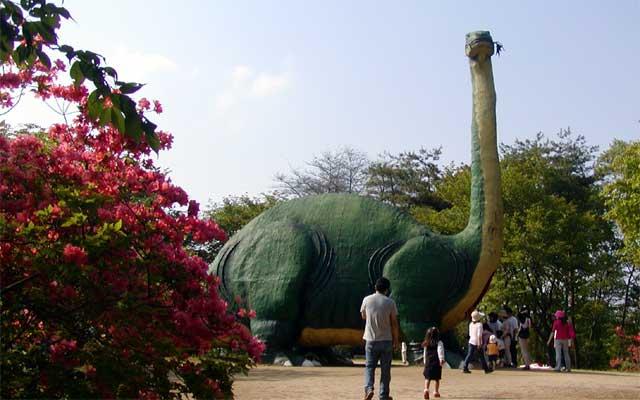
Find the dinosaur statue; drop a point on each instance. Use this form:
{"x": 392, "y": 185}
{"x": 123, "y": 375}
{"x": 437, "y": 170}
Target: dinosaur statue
{"x": 305, "y": 264}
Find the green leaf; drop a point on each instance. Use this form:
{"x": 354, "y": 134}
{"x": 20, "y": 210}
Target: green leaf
{"x": 44, "y": 59}
{"x": 118, "y": 119}
{"x": 153, "y": 141}
{"x": 133, "y": 127}
{"x": 94, "y": 108}
{"x": 105, "y": 116}
{"x": 117, "y": 226}
{"x": 111, "y": 72}
{"x": 76, "y": 74}
{"x": 131, "y": 87}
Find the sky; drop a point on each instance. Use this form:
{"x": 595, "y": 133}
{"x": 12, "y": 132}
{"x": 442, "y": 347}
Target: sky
{"x": 253, "y": 88}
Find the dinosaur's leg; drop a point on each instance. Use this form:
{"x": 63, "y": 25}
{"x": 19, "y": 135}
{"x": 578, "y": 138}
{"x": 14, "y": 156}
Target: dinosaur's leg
{"x": 272, "y": 266}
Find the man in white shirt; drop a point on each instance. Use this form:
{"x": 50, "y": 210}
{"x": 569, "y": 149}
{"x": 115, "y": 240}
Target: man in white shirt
{"x": 381, "y": 335}
{"x": 509, "y": 328}
{"x": 475, "y": 343}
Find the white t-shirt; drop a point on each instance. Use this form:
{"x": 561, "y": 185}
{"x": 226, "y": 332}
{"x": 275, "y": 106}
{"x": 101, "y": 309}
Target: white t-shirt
{"x": 378, "y": 309}
{"x": 475, "y": 333}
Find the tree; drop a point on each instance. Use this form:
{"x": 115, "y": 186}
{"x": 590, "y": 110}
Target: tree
{"x": 622, "y": 194}
{"x": 32, "y": 25}
{"x": 340, "y": 171}
{"x": 558, "y": 245}
{"x": 559, "y": 249}
{"x": 407, "y": 180}
{"x": 100, "y": 297}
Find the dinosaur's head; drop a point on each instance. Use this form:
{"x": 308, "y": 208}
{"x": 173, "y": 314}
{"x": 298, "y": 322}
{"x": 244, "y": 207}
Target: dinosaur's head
{"x": 479, "y": 44}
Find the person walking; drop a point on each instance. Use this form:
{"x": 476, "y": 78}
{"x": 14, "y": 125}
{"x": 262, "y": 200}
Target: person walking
{"x": 381, "y": 337}
{"x": 524, "y": 331}
{"x": 563, "y": 334}
{"x": 475, "y": 343}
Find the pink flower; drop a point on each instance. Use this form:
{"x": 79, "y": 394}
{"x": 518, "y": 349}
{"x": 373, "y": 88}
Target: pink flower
{"x": 144, "y": 104}
{"x": 75, "y": 255}
{"x": 157, "y": 107}
{"x": 194, "y": 208}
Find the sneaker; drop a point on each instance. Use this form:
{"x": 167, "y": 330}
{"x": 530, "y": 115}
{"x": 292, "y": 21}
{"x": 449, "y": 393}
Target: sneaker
{"x": 526, "y": 368}
{"x": 466, "y": 371}
{"x": 436, "y": 394}
{"x": 488, "y": 371}
{"x": 426, "y": 395}
{"x": 368, "y": 395}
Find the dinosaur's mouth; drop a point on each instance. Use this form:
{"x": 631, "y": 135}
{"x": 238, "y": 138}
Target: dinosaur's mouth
{"x": 479, "y": 43}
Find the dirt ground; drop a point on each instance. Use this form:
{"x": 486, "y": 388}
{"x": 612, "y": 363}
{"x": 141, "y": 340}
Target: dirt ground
{"x": 300, "y": 383}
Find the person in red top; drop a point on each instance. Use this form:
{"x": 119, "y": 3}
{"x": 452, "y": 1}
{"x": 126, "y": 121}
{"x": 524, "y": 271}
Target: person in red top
{"x": 563, "y": 335}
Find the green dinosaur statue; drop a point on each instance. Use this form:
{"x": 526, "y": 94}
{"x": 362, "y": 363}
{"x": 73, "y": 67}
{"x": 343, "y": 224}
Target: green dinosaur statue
{"x": 305, "y": 264}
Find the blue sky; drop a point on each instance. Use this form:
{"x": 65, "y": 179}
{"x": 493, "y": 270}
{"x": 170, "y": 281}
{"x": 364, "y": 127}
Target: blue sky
{"x": 250, "y": 88}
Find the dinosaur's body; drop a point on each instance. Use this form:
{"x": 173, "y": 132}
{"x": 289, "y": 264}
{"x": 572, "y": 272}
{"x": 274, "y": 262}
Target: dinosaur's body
{"x": 306, "y": 264}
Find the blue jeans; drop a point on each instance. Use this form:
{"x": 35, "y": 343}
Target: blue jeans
{"x": 470, "y": 353}
{"x": 562, "y": 348}
{"x": 382, "y": 351}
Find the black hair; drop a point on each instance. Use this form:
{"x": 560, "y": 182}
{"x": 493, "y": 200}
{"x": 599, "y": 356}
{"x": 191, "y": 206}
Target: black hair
{"x": 431, "y": 338}
{"x": 382, "y": 285}
{"x": 493, "y": 316}
{"x": 522, "y": 316}
{"x": 486, "y": 327}
{"x": 507, "y": 309}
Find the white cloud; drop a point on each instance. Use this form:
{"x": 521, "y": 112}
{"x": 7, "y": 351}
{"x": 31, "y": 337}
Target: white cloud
{"x": 267, "y": 85}
{"x": 134, "y": 65}
{"x": 243, "y": 86}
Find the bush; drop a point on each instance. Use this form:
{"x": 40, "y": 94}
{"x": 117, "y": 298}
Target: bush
{"x": 630, "y": 360}
{"x": 100, "y": 297}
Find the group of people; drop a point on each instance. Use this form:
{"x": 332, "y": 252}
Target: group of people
{"x": 494, "y": 341}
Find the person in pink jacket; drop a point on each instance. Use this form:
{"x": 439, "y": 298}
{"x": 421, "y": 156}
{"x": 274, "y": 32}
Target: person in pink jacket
{"x": 563, "y": 335}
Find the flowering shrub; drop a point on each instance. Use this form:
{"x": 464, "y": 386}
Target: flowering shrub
{"x": 631, "y": 343}
{"x": 100, "y": 297}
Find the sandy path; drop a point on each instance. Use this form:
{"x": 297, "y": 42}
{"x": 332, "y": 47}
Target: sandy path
{"x": 268, "y": 382}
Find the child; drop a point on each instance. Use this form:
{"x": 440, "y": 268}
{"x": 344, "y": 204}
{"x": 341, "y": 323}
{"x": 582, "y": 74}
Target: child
{"x": 493, "y": 351}
{"x": 433, "y": 361}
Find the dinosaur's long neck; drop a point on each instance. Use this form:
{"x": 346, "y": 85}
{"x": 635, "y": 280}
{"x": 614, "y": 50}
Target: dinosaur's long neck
{"x": 482, "y": 238}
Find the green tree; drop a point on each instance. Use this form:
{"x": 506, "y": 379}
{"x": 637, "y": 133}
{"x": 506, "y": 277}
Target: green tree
{"x": 559, "y": 249}
{"x": 407, "y": 179}
{"x": 622, "y": 194}
{"x": 558, "y": 245}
